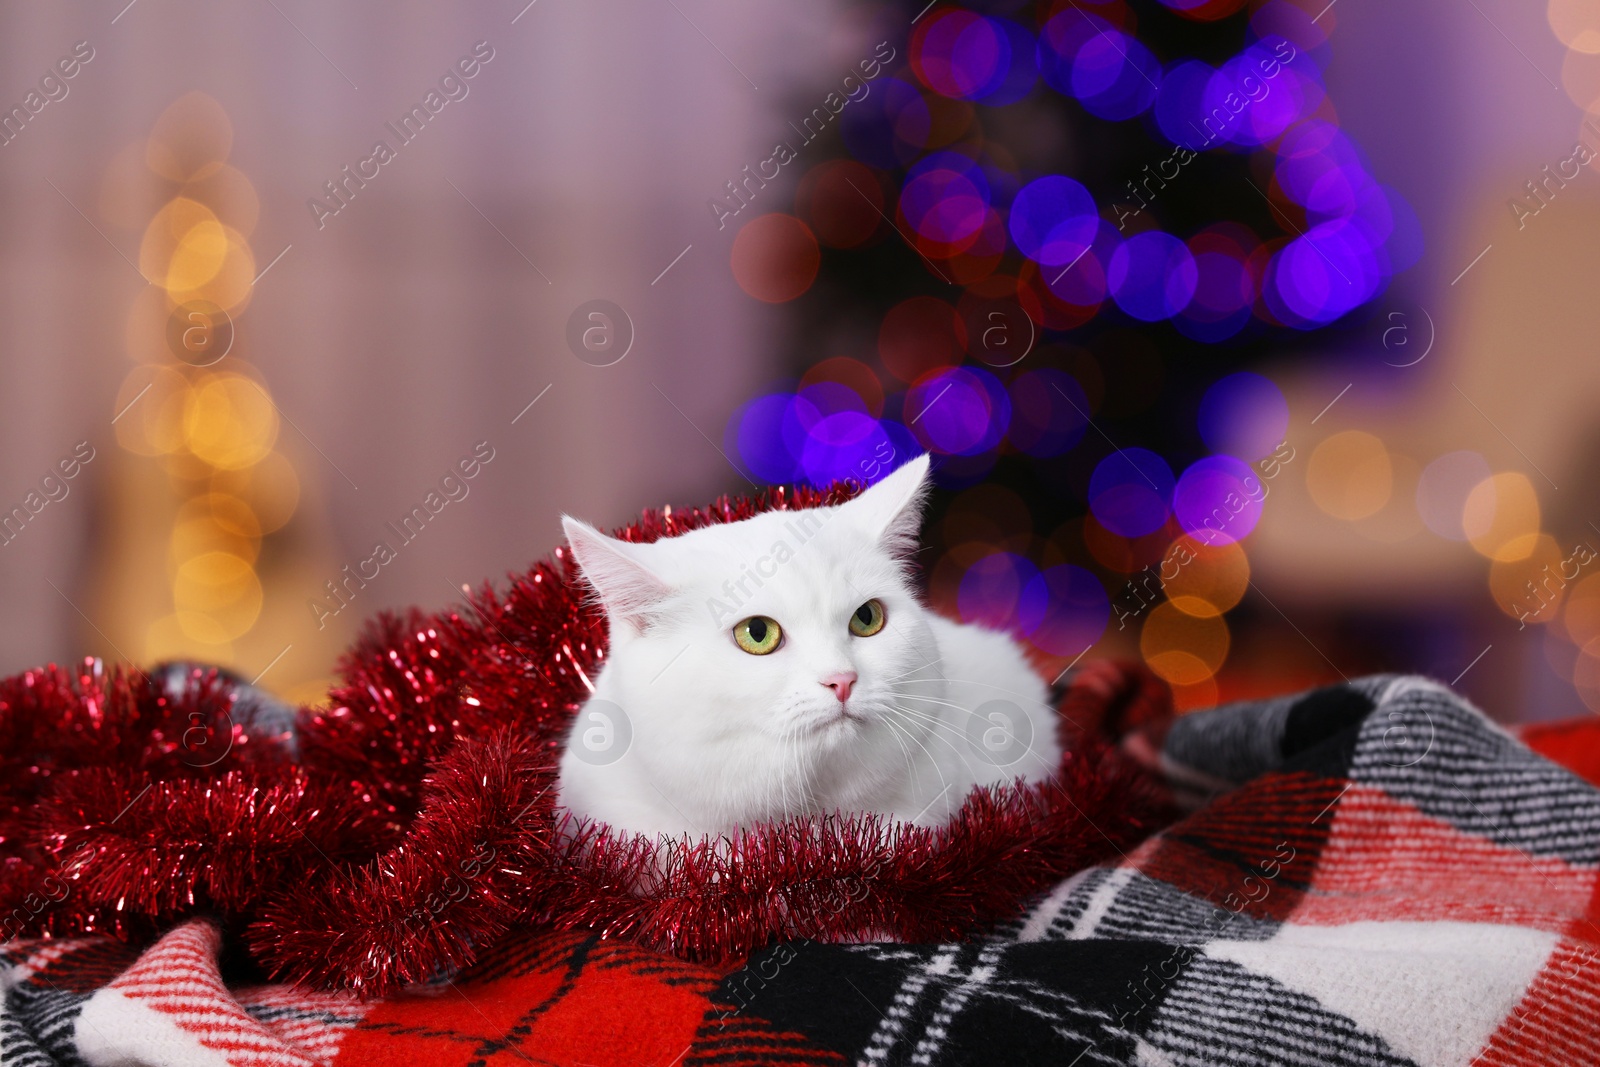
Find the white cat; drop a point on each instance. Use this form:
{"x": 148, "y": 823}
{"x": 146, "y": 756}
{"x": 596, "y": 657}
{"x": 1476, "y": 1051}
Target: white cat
{"x": 783, "y": 665}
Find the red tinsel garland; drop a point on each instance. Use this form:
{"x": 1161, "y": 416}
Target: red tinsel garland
{"x": 390, "y": 836}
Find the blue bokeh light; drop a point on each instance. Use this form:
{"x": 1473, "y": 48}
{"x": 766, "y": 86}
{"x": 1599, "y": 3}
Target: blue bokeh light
{"x": 1218, "y": 500}
{"x": 1152, "y": 276}
{"x": 1130, "y": 492}
{"x": 1053, "y": 220}
{"x": 1244, "y": 415}
{"x": 1063, "y": 610}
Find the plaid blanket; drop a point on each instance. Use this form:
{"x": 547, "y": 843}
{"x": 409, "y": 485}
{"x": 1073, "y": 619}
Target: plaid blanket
{"x": 1371, "y": 874}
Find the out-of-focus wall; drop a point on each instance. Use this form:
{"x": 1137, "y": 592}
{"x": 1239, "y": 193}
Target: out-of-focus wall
{"x": 394, "y": 335}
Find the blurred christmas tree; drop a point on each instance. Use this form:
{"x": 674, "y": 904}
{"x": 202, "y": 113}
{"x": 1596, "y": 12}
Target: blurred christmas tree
{"x": 1048, "y": 240}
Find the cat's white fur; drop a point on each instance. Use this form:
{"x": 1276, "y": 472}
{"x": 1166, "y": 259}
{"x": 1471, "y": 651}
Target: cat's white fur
{"x": 722, "y": 739}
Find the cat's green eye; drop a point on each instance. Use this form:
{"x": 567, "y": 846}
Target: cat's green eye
{"x": 758, "y": 635}
{"x": 868, "y": 619}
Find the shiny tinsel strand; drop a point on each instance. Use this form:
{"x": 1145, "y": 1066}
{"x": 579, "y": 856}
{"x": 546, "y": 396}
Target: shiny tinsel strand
{"x": 397, "y": 831}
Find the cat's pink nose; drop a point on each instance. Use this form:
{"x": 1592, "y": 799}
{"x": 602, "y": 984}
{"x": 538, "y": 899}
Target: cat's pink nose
{"x": 840, "y": 683}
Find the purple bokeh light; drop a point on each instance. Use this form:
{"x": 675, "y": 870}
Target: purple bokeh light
{"x": 968, "y": 56}
{"x": 960, "y": 54}
{"x": 1180, "y": 106}
{"x": 1130, "y": 492}
{"x": 1063, "y": 610}
{"x": 1053, "y": 220}
{"x": 1244, "y": 415}
{"x": 946, "y": 203}
{"x": 1223, "y": 294}
{"x": 1218, "y": 500}
{"x": 1322, "y": 275}
{"x": 755, "y": 435}
{"x": 958, "y": 410}
{"x": 991, "y": 590}
{"x": 1152, "y": 276}
{"x": 889, "y": 127}
{"x": 1114, "y": 76}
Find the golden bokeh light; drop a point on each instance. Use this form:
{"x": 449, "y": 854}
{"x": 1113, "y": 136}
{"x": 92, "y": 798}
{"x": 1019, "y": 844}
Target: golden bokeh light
{"x": 1576, "y": 24}
{"x": 229, "y": 422}
{"x": 229, "y": 287}
{"x": 149, "y": 410}
{"x": 213, "y": 522}
{"x": 1510, "y": 581}
{"x": 231, "y": 514}
{"x": 1581, "y": 620}
{"x": 271, "y": 488}
{"x": 217, "y": 596}
{"x": 190, "y": 140}
{"x": 145, "y": 333}
{"x": 230, "y": 195}
{"x": 218, "y": 488}
{"x": 1182, "y": 648}
{"x": 1350, "y": 476}
{"x": 1580, "y": 76}
{"x": 198, "y": 256}
{"x": 186, "y": 472}
{"x": 188, "y": 227}
{"x": 1208, "y": 579}
{"x": 195, "y": 536}
{"x": 1586, "y": 675}
{"x": 165, "y": 639}
{"x": 1501, "y": 517}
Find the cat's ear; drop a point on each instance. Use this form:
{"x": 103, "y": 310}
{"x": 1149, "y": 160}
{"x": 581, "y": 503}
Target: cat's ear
{"x": 626, "y": 586}
{"x": 891, "y": 510}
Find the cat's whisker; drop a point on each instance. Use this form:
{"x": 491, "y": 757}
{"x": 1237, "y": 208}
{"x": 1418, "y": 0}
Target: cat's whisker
{"x": 904, "y": 751}
{"x": 933, "y": 700}
{"x": 991, "y": 685}
{"x": 807, "y": 793}
{"x": 956, "y": 706}
{"x": 935, "y": 724}
{"x": 933, "y": 762}
{"x": 789, "y": 747}
{"x": 926, "y": 717}
{"x": 914, "y": 670}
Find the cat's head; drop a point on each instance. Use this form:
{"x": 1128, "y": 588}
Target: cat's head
{"x": 787, "y": 625}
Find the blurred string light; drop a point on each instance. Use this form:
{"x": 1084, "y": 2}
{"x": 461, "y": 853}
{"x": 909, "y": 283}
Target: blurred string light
{"x": 923, "y": 172}
{"x": 193, "y": 402}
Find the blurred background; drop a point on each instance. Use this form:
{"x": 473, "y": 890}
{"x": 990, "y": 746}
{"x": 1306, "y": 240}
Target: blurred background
{"x": 1253, "y": 339}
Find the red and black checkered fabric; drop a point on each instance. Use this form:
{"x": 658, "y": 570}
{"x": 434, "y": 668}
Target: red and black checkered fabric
{"x": 1371, "y": 874}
